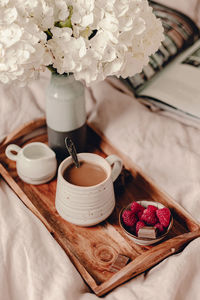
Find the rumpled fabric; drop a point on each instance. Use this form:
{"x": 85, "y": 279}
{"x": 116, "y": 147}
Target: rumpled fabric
{"x": 32, "y": 264}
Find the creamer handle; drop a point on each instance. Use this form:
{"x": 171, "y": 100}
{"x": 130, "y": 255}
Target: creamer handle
{"x": 12, "y": 148}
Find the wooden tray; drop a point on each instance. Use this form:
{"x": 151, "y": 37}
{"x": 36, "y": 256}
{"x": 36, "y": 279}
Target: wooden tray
{"x": 95, "y": 251}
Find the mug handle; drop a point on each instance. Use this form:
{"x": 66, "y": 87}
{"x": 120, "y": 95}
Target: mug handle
{"x": 116, "y": 165}
{"x": 9, "y": 149}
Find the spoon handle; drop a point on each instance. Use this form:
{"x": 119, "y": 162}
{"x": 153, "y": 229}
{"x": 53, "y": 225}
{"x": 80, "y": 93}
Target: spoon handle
{"x": 72, "y": 151}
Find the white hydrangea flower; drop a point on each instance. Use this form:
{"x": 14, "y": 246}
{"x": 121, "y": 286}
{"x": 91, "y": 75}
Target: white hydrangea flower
{"x": 23, "y": 49}
{"x": 8, "y": 15}
{"x": 83, "y": 12}
{"x": 90, "y": 38}
{"x": 3, "y": 3}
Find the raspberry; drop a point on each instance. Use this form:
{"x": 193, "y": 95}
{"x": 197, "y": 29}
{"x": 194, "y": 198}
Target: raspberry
{"x": 149, "y": 217}
{"x": 139, "y": 214}
{"x": 136, "y": 207}
{"x": 129, "y": 218}
{"x": 160, "y": 227}
{"x": 139, "y": 225}
{"x": 164, "y": 215}
{"x": 152, "y": 208}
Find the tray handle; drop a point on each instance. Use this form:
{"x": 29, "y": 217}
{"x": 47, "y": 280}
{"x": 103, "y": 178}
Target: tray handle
{"x": 150, "y": 258}
{"x": 24, "y": 129}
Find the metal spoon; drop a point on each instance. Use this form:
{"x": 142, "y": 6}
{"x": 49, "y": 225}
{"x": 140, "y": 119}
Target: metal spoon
{"x": 72, "y": 151}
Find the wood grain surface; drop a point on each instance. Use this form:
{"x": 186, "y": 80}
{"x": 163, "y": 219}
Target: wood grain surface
{"x": 103, "y": 254}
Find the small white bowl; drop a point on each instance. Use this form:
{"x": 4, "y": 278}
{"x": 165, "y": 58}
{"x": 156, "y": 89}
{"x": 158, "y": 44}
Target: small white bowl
{"x": 139, "y": 240}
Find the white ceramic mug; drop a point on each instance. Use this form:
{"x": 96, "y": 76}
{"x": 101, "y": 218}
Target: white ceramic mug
{"x": 35, "y": 163}
{"x": 87, "y": 205}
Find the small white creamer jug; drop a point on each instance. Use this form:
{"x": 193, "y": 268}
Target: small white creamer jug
{"x": 35, "y": 163}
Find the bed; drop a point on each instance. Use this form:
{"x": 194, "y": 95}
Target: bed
{"x": 33, "y": 265}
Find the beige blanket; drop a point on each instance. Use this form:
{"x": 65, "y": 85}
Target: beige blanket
{"x": 33, "y": 266}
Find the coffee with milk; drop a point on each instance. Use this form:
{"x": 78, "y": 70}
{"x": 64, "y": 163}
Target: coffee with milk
{"x": 88, "y": 174}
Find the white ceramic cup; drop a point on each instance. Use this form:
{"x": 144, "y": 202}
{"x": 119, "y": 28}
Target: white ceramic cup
{"x": 35, "y": 163}
{"x": 90, "y": 205}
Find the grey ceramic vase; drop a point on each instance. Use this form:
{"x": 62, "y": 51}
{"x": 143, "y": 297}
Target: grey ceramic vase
{"x": 65, "y": 114}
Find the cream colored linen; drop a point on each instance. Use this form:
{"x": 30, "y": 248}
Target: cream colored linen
{"x": 20, "y": 105}
{"x": 33, "y": 266}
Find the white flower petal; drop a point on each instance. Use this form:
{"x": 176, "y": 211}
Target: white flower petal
{"x": 103, "y": 38}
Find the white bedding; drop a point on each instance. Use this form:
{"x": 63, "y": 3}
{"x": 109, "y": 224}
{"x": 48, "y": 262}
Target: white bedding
{"x": 33, "y": 266}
